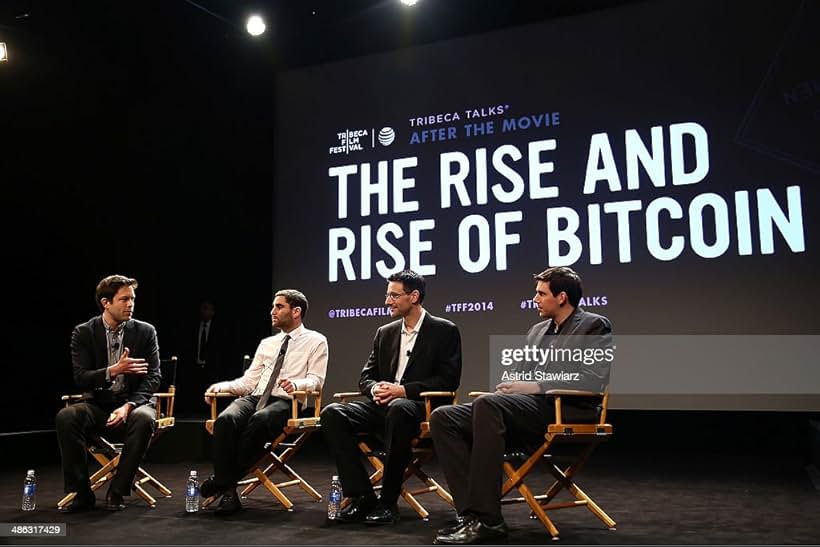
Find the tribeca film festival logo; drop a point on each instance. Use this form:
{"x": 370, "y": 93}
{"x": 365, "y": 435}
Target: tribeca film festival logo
{"x": 356, "y": 140}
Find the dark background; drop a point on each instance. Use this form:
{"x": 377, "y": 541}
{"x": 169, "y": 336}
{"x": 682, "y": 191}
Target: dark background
{"x": 138, "y": 138}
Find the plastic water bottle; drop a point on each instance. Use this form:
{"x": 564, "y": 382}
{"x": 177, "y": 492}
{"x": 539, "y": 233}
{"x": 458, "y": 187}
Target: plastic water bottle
{"x": 334, "y": 498}
{"x": 30, "y": 491}
{"x": 192, "y": 493}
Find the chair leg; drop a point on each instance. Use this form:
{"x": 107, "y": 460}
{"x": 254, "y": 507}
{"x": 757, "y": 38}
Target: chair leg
{"x": 273, "y": 489}
{"x": 150, "y": 479}
{"x": 149, "y": 499}
{"x": 529, "y": 497}
{"x": 580, "y": 495}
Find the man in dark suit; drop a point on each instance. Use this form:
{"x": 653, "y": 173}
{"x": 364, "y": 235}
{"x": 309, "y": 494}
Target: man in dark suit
{"x": 116, "y": 362}
{"x": 418, "y": 352}
{"x": 470, "y": 439}
{"x": 207, "y": 359}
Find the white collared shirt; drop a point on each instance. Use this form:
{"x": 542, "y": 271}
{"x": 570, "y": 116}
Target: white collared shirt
{"x": 305, "y": 364}
{"x": 408, "y": 342}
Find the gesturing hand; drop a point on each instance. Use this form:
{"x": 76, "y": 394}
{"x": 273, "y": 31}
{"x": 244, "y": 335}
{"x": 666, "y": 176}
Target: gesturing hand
{"x": 128, "y": 365}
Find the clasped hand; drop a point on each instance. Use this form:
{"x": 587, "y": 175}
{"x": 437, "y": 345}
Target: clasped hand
{"x": 384, "y": 392}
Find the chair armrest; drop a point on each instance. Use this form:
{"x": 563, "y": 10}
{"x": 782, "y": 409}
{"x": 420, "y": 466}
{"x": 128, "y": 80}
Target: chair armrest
{"x": 576, "y": 392}
{"x": 303, "y": 395}
{"x": 220, "y": 394}
{"x": 558, "y": 393}
{"x": 478, "y": 393}
{"x": 430, "y": 395}
{"x": 343, "y": 396}
{"x": 215, "y": 396}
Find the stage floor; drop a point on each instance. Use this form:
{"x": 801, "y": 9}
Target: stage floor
{"x": 714, "y": 499}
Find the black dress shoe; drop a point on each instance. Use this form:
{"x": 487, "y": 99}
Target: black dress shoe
{"x": 473, "y": 531}
{"x": 452, "y": 526}
{"x": 229, "y": 504}
{"x": 383, "y": 514}
{"x": 114, "y": 501}
{"x": 209, "y": 488}
{"x": 83, "y": 501}
{"x": 358, "y": 509}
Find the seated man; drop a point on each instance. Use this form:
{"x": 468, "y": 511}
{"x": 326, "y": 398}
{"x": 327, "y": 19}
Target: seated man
{"x": 294, "y": 359}
{"x": 119, "y": 394}
{"x": 417, "y": 352}
{"x": 470, "y": 438}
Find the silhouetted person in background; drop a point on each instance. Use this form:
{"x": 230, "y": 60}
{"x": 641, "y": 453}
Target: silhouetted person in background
{"x": 205, "y": 361}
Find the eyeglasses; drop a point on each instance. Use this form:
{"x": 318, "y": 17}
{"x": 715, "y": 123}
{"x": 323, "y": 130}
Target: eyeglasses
{"x": 393, "y": 296}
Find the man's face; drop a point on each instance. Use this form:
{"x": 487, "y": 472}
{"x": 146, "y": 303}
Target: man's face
{"x": 121, "y": 307}
{"x": 282, "y": 314}
{"x": 399, "y": 301}
{"x": 548, "y": 305}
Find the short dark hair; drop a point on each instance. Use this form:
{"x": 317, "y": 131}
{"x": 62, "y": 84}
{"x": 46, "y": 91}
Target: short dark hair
{"x": 562, "y": 278}
{"x": 109, "y": 286}
{"x": 411, "y": 281}
{"x": 294, "y": 299}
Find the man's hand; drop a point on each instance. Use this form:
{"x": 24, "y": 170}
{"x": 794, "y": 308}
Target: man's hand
{"x": 384, "y": 392}
{"x": 215, "y": 388}
{"x": 518, "y": 387}
{"x": 127, "y": 365}
{"x": 118, "y": 416}
{"x": 287, "y": 385}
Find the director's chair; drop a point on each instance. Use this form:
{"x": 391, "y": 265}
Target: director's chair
{"x": 422, "y": 448}
{"x": 301, "y": 425}
{"x": 108, "y": 453}
{"x": 587, "y": 435}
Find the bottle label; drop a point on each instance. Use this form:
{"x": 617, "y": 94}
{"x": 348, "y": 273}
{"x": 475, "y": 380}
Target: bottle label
{"x": 335, "y": 496}
{"x": 29, "y": 489}
{"x": 193, "y": 491}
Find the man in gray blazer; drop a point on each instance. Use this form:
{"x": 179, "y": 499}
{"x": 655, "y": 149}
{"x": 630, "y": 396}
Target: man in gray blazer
{"x": 417, "y": 352}
{"x": 470, "y": 439}
{"x": 116, "y": 363}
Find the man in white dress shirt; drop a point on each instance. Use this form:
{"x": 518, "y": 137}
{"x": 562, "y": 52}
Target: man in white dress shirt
{"x": 294, "y": 359}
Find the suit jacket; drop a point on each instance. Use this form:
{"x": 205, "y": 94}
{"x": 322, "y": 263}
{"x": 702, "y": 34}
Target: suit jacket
{"x": 89, "y": 357}
{"x": 581, "y": 323}
{"x": 434, "y": 364}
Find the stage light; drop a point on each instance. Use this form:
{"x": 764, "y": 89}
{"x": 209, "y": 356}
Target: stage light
{"x": 255, "y": 25}
{"x": 409, "y": 2}
{"x": 4, "y": 53}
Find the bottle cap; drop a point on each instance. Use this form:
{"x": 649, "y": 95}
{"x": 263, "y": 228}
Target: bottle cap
{"x": 193, "y": 473}
{"x": 30, "y": 472}
{"x": 335, "y": 477}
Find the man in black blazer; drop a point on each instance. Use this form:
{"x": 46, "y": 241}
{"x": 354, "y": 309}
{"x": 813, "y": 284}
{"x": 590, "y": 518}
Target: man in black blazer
{"x": 470, "y": 439}
{"x": 417, "y": 352}
{"x": 116, "y": 363}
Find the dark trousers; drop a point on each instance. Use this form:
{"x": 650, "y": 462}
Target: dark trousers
{"x": 240, "y": 435}
{"x": 76, "y": 422}
{"x": 398, "y": 422}
{"x": 470, "y": 440}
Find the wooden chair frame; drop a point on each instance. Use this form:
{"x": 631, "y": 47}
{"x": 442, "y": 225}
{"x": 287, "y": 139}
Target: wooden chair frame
{"x": 422, "y": 452}
{"x": 589, "y": 434}
{"x": 108, "y": 454}
{"x": 279, "y": 451}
